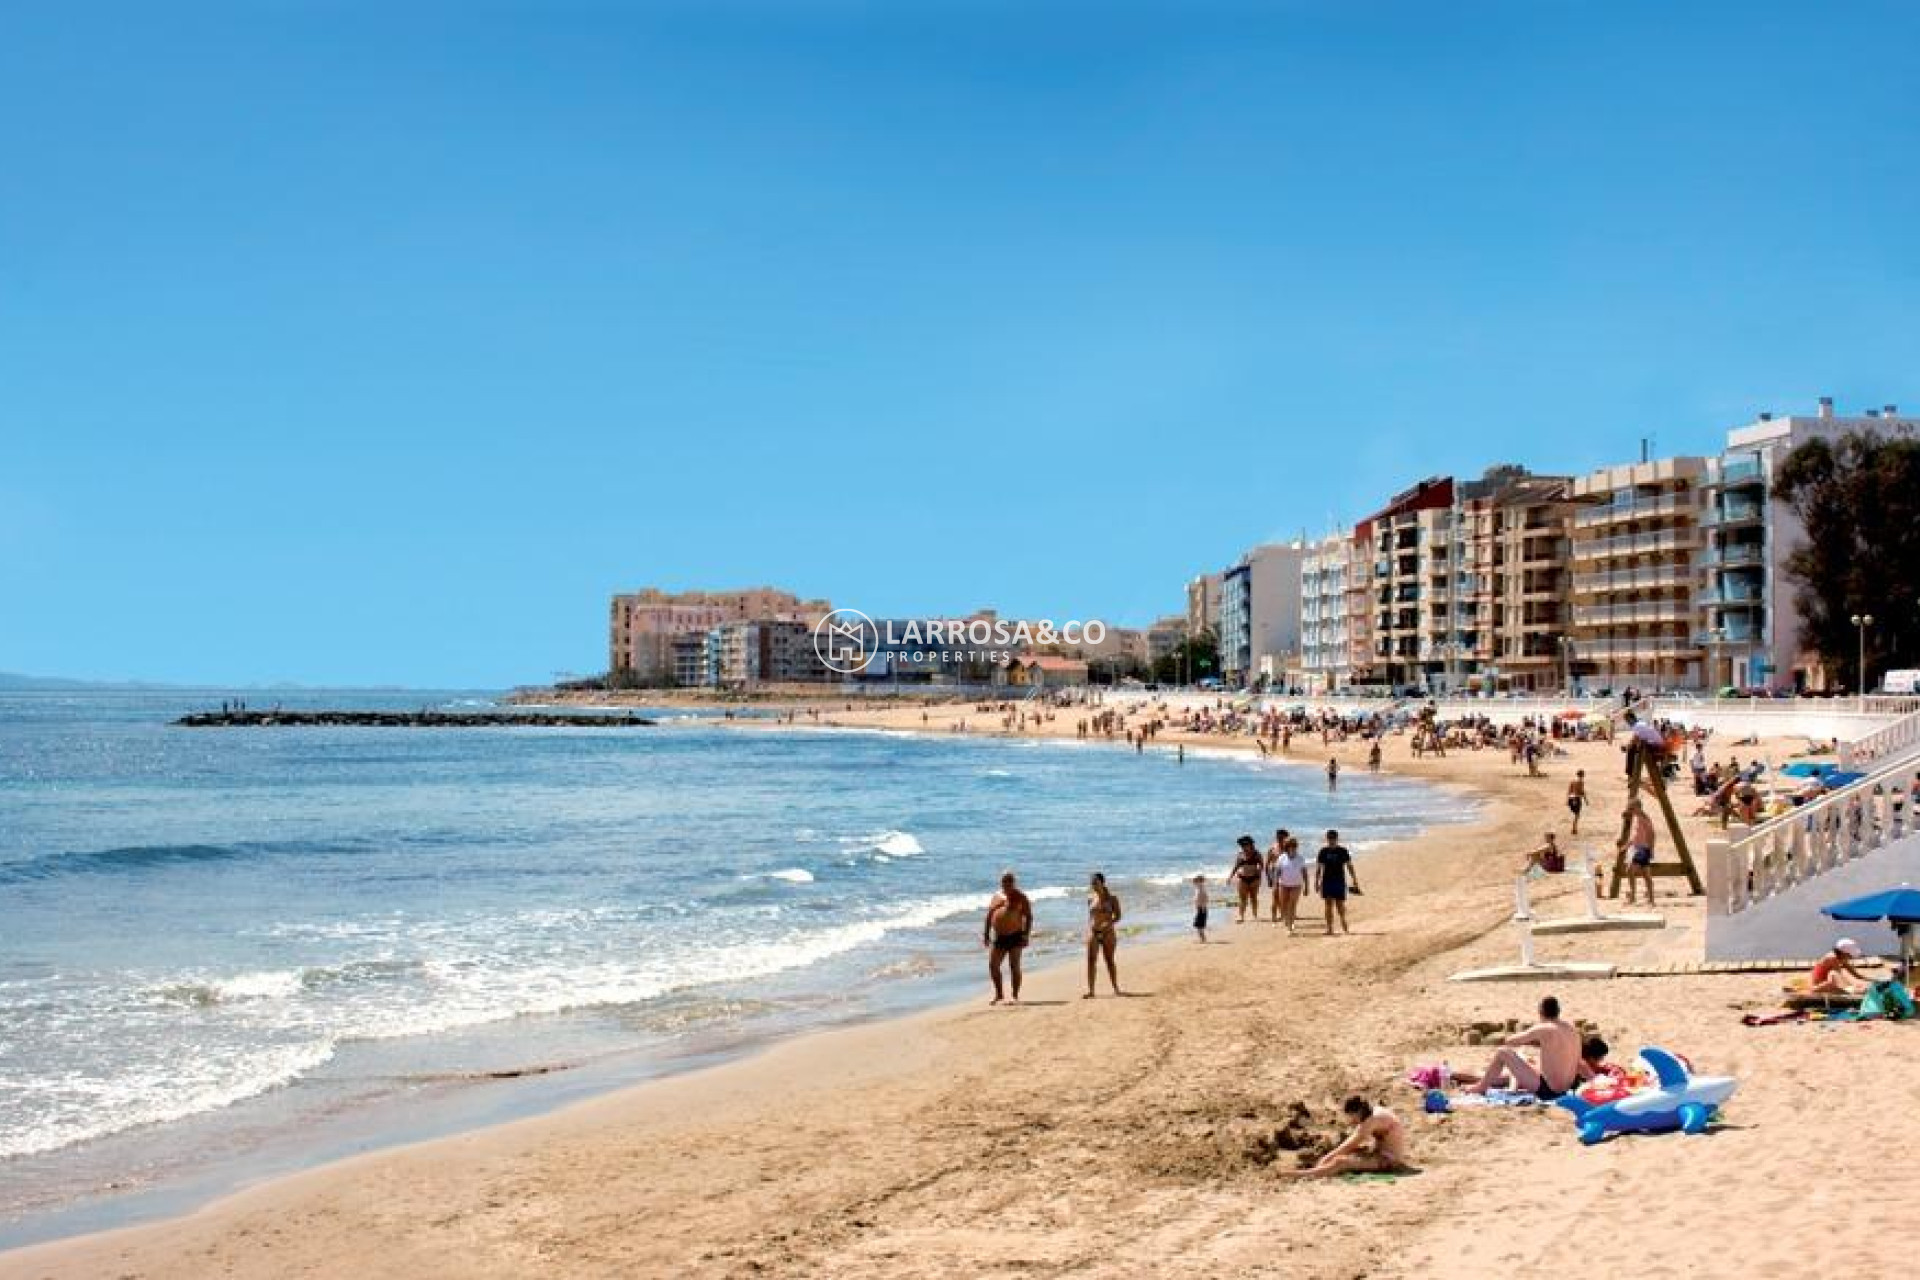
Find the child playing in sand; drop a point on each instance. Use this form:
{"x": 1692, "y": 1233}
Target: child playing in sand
{"x": 1826, "y": 979}
{"x": 1200, "y": 906}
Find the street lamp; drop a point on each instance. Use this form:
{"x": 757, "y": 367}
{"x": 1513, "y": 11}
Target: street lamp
{"x": 1566, "y": 662}
{"x": 1861, "y": 621}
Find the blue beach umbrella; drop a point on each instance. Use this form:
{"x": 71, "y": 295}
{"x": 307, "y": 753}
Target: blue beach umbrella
{"x": 1895, "y": 906}
{"x": 1898, "y": 907}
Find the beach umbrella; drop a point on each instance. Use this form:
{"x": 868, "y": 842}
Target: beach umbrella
{"x": 1898, "y": 907}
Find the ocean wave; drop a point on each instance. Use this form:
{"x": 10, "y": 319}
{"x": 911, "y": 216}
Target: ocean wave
{"x": 280, "y": 984}
{"x": 891, "y": 843}
{"x": 86, "y": 1110}
{"x": 131, "y": 858}
{"x": 143, "y": 857}
{"x": 792, "y": 875}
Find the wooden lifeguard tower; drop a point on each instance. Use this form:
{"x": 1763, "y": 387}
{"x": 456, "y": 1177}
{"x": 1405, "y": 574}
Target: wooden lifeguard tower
{"x": 1644, "y": 770}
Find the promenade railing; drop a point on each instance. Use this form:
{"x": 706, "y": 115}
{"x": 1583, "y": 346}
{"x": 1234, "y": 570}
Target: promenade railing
{"x": 1900, "y": 737}
{"x": 1813, "y": 839}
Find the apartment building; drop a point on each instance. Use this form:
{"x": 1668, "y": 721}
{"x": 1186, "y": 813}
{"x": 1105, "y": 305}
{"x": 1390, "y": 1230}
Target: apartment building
{"x": 1452, "y": 585}
{"x": 1395, "y": 554}
{"x": 766, "y": 651}
{"x": 1639, "y": 562}
{"x": 642, "y": 624}
{"x": 1165, "y": 636}
{"x": 1203, "y": 604}
{"x": 1259, "y": 626}
{"x": 1325, "y": 661}
{"x": 1749, "y": 623}
{"x": 1521, "y": 527}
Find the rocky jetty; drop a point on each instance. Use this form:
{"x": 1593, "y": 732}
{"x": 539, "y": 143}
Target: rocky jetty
{"x": 422, "y": 719}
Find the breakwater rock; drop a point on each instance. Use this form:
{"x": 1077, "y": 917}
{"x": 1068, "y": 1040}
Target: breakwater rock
{"x": 423, "y": 719}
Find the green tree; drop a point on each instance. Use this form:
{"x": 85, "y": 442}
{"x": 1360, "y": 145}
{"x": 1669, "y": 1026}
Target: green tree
{"x": 1193, "y": 659}
{"x": 1859, "y": 498}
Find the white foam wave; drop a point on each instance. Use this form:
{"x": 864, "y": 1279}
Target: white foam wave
{"x": 80, "y": 1109}
{"x": 792, "y": 875}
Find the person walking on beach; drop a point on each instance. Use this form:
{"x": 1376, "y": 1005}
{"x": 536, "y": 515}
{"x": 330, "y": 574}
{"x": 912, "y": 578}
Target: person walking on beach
{"x": 1577, "y": 797}
{"x": 1246, "y": 873}
{"x": 1274, "y": 850}
{"x": 1008, "y": 926}
{"x": 1103, "y": 920}
{"x": 1289, "y": 880}
{"x": 1332, "y": 875}
{"x": 1638, "y": 845}
{"x": 1333, "y": 773}
{"x": 1200, "y": 907}
{"x": 1373, "y": 757}
{"x": 1378, "y": 1144}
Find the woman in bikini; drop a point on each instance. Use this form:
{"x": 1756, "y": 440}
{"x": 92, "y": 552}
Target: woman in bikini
{"x": 1103, "y": 919}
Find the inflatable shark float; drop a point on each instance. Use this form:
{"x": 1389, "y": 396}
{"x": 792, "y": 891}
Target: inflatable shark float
{"x": 1682, "y": 1101}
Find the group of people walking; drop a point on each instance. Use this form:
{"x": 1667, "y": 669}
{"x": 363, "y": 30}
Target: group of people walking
{"x": 1282, "y": 870}
{"x": 1287, "y": 876}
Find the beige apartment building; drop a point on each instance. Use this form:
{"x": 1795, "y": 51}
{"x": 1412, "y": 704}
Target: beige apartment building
{"x": 1452, "y": 585}
{"x": 1520, "y": 538}
{"x": 1638, "y": 553}
{"x": 642, "y": 625}
{"x": 1203, "y": 604}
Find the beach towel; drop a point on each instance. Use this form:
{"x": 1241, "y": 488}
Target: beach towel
{"x": 1494, "y": 1098}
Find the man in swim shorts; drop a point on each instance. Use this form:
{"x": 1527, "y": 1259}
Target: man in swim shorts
{"x": 1559, "y": 1047}
{"x": 1009, "y": 922}
{"x": 1639, "y": 849}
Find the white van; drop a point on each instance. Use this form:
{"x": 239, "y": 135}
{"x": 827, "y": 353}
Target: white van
{"x": 1902, "y": 682}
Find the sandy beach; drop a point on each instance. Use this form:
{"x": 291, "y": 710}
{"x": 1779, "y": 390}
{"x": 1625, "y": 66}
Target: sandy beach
{"x": 1136, "y": 1137}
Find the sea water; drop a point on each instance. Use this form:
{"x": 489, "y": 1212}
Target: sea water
{"x": 213, "y": 941}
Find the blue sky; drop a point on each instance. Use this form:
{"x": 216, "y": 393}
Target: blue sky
{"x": 380, "y": 342}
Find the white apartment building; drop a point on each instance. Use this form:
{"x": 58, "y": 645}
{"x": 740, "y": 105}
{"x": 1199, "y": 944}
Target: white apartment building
{"x": 1260, "y": 612}
{"x": 1749, "y": 623}
{"x": 1325, "y": 660}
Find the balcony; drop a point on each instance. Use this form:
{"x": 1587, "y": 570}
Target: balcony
{"x": 1733, "y": 513}
{"x": 1634, "y": 612}
{"x": 1747, "y": 633}
{"x": 1630, "y": 509}
{"x": 1636, "y": 544}
{"x": 1731, "y": 596}
{"x": 1632, "y": 648}
{"x": 1739, "y": 553}
{"x": 1642, "y": 579}
{"x": 1739, "y": 474}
